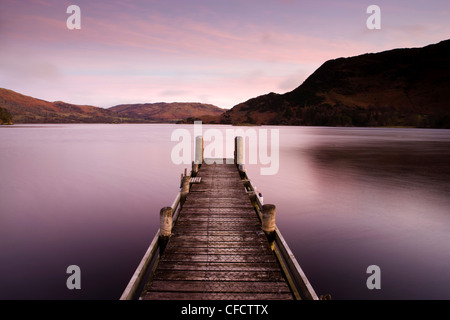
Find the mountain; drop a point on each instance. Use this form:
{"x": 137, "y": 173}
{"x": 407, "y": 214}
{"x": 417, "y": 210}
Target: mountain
{"x": 400, "y": 87}
{"x": 25, "y": 109}
{"x": 173, "y": 112}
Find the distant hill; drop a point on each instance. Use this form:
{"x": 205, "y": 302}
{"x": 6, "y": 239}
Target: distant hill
{"x": 25, "y": 109}
{"x": 173, "y": 112}
{"x": 401, "y": 87}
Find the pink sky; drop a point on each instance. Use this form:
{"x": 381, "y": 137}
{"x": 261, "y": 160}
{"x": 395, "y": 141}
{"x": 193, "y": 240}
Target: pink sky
{"x": 212, "y": 51}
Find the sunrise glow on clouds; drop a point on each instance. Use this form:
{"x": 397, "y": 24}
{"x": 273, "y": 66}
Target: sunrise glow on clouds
{"x": 219, "y": 52}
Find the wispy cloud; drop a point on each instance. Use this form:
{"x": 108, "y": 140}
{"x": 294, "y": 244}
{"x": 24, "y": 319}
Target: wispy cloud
{"x": 227, "y": 51}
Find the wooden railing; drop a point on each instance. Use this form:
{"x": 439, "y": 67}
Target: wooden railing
{"x": 297, "y": 279}
{"x": 132, "y": 290}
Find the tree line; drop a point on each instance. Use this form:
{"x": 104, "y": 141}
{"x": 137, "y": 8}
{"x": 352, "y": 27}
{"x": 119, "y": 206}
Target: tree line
{"x": 5, "y": 116}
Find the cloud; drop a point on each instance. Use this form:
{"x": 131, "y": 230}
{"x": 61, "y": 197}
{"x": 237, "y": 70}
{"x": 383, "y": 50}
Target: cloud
{"x": 160, "y": 34}
{"x": 225, "y": 52}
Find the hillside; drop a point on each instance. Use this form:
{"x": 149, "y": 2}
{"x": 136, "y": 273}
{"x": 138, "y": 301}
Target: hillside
{"x": 25, "y": 109}
{"x": 401, "y": 87}
{"x": 172, "y": 112}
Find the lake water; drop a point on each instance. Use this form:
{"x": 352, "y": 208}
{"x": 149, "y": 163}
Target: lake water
{"x": 347, "y": 198}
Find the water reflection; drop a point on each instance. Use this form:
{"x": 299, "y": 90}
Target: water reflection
{"x": 406, "y": 164}
{"x": 346, "y": 198}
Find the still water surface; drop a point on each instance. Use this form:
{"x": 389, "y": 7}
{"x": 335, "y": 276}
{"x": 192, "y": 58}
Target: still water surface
{"x": 346, "y": 198}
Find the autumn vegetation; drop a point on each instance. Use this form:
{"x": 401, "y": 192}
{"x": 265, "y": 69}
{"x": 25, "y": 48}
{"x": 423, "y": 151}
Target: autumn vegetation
{"x": 5, "y": 117}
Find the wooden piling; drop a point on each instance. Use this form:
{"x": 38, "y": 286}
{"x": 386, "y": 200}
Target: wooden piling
{"x": 242, "y": 170}
{"x": 198, "y": 150}
{"x": 238, "y": 150}
{"x": 268, "y": 221}
{"x": 165, "y": 228}
{"x": 185, "y": 184}
{"x": 194, "y": 170}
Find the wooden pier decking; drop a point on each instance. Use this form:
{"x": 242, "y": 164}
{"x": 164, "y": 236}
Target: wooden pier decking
{"x": 217, "y": 249}
{"x": 218, "y": 242}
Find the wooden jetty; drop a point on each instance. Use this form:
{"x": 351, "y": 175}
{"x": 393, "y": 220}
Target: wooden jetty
{"x": 218, "y": 242}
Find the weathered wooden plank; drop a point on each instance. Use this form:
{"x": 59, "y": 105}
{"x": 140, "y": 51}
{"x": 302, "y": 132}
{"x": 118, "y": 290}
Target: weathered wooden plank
{"x": 215, "y": 296}
{"x": 213, "y": 233}
{"x": 225, "y": 204}
{"x": 231, "y": 200}
{"x": 205, "y": 189}
{"x": 220, "y": 250}
{"x": 213, "y": 275}
{"x": 240, "y": 238}
{"x": 219, "y": 211}
{"x": 216, "y": 233}
{"x": 214, "y": 217}
{"x": 218, "y": 195}
{"x": 219, "y": 217}
{"x": 219, "y": 266}
{"x": 219, "y": 190}
{"x": 212, "y": 225}
{"x": 219, "y": 232}
{"x": 223, "y": 287}
{"x": 240, "y": 224}
{"x": 217, "y": 258}
{"x": 180, "y": 243}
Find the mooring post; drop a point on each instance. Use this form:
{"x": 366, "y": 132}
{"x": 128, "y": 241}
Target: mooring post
{"x": 239, "y": 155}
{"x": 268, "y": 222}
{"x": 238, "y": 150}
{"x": 194, "y": 169}
{"x": 198, "y": 151}
{"x": 185, "y": 184}
{"x": 242, "y": 171}
{"x": 165, "y": 227}
{"x": 185, "y": 179}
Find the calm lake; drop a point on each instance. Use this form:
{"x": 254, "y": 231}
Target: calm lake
{"x": 347, "y": 198}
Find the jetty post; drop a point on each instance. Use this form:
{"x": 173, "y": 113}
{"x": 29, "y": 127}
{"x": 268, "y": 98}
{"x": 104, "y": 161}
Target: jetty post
{"x": 198, "y": 156}
{"x": 268, "y": 222}
{"x": 239, "y": 155}
{"x": 165, "y": 228}
{"x": 185, "y": 183}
